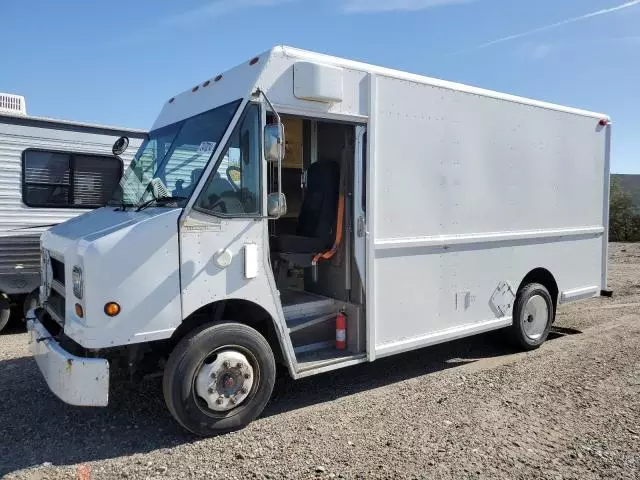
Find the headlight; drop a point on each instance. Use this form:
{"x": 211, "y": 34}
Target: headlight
{"x": 76, "y": 277}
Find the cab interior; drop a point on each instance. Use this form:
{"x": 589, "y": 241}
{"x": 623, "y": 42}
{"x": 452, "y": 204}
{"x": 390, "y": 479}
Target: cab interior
{"x": 311, "y": 245}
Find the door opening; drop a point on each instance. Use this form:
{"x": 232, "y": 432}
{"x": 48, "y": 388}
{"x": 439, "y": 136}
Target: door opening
{"x": 313, "y": 250}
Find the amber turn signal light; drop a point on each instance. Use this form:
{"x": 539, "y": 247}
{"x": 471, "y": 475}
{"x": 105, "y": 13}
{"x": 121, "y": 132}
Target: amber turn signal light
{"x": 79, "y": 311}
{"x": 112, "y": 309}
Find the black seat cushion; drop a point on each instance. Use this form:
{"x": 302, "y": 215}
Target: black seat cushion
{"x": 320, "y": 203}
{"x": 317, "y": 220}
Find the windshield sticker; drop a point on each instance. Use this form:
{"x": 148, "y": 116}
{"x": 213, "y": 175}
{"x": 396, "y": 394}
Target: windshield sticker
{"x": 206, "y": 148}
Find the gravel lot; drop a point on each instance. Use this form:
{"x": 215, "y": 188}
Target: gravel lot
{"x": 470, "y": 409}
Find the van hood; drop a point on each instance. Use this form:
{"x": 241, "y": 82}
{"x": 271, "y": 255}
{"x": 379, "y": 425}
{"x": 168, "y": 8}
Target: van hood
{"x": 84, "y": 230}
{"x": 131, "y": 258}
{"x": 101, "y": 221}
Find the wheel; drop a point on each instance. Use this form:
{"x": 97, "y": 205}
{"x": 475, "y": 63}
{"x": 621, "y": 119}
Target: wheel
{"x": 533, "y": 314}
{"x": 219, "y": 378}
{"x": 5, "y": 310}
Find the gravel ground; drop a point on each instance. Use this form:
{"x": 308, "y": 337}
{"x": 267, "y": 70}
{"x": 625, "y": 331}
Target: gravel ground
{"x": 468, "y": 409}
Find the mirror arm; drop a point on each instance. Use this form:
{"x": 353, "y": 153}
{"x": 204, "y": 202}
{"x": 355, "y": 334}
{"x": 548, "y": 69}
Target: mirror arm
{"x": 259, "y": 92}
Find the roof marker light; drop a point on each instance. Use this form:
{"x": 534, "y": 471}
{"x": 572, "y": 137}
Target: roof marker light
{"x": 604, "y": 122}
{"x": 254, "y": 60}
{"x": 195, "y": 89}
{"x": 207, "y": 83}
{"x": 172, "y": 99}
{"x": 218, "y": 78}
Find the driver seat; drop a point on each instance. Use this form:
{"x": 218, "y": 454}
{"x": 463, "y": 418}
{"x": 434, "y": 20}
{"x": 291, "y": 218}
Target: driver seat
{"x": 181, "y": 190}
{"x": 315, "y": 231}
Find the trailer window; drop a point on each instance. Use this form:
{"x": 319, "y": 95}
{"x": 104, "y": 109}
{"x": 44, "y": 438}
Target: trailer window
{"x": 55, "y": 179}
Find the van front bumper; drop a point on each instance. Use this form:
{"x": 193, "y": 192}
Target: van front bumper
{"x": 74, "y": 380}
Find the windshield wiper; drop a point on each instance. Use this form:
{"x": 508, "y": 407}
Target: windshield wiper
{"x": 122, "y": 206}
{"x": 159, "y": 201}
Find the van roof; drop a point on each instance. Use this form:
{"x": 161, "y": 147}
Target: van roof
{"x": 306, "y": 55}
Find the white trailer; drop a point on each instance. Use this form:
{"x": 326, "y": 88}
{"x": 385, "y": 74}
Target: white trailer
{"x": 50, "y": 171}
{"x": 420, "y": 211}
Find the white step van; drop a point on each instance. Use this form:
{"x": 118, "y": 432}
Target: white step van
{"x": 398, "y": 212}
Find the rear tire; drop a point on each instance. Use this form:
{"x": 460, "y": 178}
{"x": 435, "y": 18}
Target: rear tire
{"x": 533, "y": 314}
{"x": 238, "y": 369}
{"x": 5, "y": 310}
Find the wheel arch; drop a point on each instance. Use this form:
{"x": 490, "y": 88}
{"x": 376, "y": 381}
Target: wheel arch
{"x": 236, "y": 310}
{"x": 543, "y": 277}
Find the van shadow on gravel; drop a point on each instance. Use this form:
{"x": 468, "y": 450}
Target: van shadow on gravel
{"x": 35, "y": 427}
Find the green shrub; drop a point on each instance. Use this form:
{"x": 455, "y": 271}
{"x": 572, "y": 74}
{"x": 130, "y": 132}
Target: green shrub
{"x": 624, "y": 224}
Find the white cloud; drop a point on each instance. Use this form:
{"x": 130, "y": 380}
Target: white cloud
{"x": 217, "y": 8}
{"x": 361, "y": 6}
{"x": 626, "y": 40}
{"x": 552, "y": 26}
{"x": 535, "y": 51}
{"x": 538, "y": 52}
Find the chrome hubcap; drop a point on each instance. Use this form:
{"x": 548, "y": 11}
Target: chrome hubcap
{"x": 225, "y": 383}
{"x": 535, "y": 316}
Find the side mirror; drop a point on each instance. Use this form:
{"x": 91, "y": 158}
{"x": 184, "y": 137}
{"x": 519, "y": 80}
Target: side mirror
{"x": 120, "y": 146}
{"x": 276, "y": 205}
{"x": 274, "y": 142}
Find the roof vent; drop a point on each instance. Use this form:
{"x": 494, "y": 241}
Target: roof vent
{"x": 12, "y": 104}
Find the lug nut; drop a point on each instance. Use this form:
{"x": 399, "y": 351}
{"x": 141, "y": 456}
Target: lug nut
{"x": 246, "y": 375}
{"x": 239, "y": 365}
{"x": 226, "y": 364}
{"x": 211, "y": 390}
{"x": 219, "y": 401}
{"x": 243, "y": 390}
{"x": 213, "y": 374}
{"x": 232, "y": 401}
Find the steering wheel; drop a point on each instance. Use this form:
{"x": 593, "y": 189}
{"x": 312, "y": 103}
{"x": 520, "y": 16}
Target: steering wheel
{"x": 219, "y": 202}
{"x": 230, "y": 170}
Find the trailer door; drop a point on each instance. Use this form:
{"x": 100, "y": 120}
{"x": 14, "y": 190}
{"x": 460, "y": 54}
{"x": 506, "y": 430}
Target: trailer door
{"x": 360, "y": 201}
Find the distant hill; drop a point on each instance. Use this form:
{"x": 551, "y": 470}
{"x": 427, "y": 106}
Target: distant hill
{"x": 630, "y": 183}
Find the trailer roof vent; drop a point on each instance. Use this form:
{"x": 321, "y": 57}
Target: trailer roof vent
{"x": 12, "y": 104}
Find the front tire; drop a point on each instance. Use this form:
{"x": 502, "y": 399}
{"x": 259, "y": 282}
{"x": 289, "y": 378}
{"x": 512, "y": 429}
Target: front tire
{"x": 533, "y": 314}
{"x": 219, "y": 378}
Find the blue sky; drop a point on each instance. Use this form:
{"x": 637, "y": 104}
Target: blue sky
{"x": 117, "y": 61}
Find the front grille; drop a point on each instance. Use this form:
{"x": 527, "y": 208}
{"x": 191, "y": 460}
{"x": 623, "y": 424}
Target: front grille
{"x": 57, "y": 270}
{"x": 56, "y": 303}
{"x": 53, "y": 327}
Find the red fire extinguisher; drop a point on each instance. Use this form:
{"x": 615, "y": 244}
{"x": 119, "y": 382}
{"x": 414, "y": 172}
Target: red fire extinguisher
{"x": 341, "y": 331}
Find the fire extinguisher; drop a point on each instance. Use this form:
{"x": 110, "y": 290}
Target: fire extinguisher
{"x": 341, "y": 331}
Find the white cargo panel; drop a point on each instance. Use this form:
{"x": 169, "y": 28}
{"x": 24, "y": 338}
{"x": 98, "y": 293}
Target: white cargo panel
{"x": 470, "y": 191}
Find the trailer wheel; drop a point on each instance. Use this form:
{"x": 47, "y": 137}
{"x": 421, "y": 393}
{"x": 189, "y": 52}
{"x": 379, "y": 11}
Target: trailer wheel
{"x": 533, "y": 313}
{"x": 5, "y": 310}
{"x": 219, "y": 378}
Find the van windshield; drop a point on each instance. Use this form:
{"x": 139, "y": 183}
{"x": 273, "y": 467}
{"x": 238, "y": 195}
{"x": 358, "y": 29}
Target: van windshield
{"x": 172, "y": 159}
